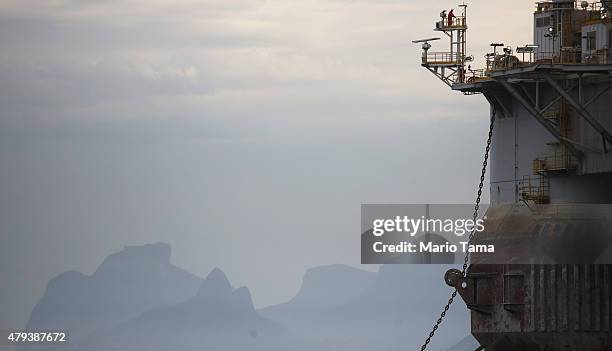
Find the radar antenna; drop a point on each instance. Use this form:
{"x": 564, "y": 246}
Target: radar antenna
{"x": 426, "y": 45}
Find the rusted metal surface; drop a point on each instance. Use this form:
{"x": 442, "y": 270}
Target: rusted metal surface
{"x": 540, "y": 307}
{"x": 546, "y": 234}
{"x": 536, "y": 306}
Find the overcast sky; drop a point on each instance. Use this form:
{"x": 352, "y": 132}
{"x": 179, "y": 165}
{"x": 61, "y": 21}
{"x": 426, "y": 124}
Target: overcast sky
{"x": 246, "y": 133}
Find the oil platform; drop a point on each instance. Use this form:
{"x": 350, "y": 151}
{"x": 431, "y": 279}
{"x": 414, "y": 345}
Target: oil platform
{"x": 550, "y": 177}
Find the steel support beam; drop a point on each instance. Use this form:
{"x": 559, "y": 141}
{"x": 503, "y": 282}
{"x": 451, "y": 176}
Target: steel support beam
{"x": 537, "y": 88}
{"x": 584, "y": 147}
{"x": 581, "y": 110}
{"x": 551, "y": 104}
{"x": 603, "y": 91}
{"x": 555, "y": 100}
{"x": 441, "y": 74}
{"x": 533, "y": 102}
{"x": 538, "y": 116}
{"x": 580, "y": 99}
{"x": 503, "y": 106}
{"x": 495, "y": 101}
{"x": 490, "y": 100}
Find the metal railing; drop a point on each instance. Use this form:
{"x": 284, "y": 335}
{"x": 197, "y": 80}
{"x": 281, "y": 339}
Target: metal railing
{"x": 441, "y": 58}
{"x": 477, "y": 75}
{"x": 457, "y": 22}
{"x": 593, "y": 6}
{"x": 601, "y": 57}
{"x": 561, "y": 161}
{"x": 574, "y": 56}
{"x": 503, "y": 62}
{"x": 567, "y": 56}
{"x": 536, "y": 189}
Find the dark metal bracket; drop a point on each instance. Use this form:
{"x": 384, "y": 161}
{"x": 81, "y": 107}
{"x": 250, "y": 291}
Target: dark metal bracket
{"x": 540, "y": 118}
{"x": 606, "y": 136}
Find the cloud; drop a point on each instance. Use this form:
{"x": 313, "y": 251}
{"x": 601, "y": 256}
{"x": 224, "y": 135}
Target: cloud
{"x": 73, "y": 56}
{"x": 128, "y": 121}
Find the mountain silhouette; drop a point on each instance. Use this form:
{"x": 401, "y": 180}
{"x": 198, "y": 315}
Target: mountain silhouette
{"x": 323, "y": 288}
{"x": 127, "y": 284}
{"x": 217, "y": 317}
{"x": 393, "y": 311}
{"x": 137, "y": 300}
{"x": 466, "y": 344}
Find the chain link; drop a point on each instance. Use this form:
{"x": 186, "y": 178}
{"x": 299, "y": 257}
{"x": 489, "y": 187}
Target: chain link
{"x": 471, "y": 237}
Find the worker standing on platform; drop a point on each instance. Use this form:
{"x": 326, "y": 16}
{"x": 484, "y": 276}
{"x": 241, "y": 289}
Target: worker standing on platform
{"x": 451, "y": 17}
{"x": 442, "y": 20}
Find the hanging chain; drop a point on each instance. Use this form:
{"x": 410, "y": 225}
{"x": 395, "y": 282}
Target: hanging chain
{"x": 471, "y": 237}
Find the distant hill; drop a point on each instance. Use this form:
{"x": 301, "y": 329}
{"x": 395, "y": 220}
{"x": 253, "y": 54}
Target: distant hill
{"x": 466, "y": 344}
{"x": 127, "y": 284}
{"x": 217, "y": 318}
{"x": 393, "y": 310}
{"x": 323, "y": 288}
{"x": 137, "y": 300}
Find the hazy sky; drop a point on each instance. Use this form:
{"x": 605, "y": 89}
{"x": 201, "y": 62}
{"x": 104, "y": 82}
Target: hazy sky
{"x": 246, "y": 133}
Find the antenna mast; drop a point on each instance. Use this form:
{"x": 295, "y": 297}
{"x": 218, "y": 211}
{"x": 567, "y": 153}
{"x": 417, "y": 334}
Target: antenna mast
{"x": 449, "y": 66}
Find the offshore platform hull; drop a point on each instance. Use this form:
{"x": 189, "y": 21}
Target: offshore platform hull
{"x": 540, "y": 307}
{"x": 532, "y": 303}
{"x": 551, "y": 141}
{"x": 550, "y": 179}
{"x": 550, "y": 151}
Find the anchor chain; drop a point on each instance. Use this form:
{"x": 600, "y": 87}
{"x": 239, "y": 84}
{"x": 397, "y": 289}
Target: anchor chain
{"x": 472, "y": 234}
